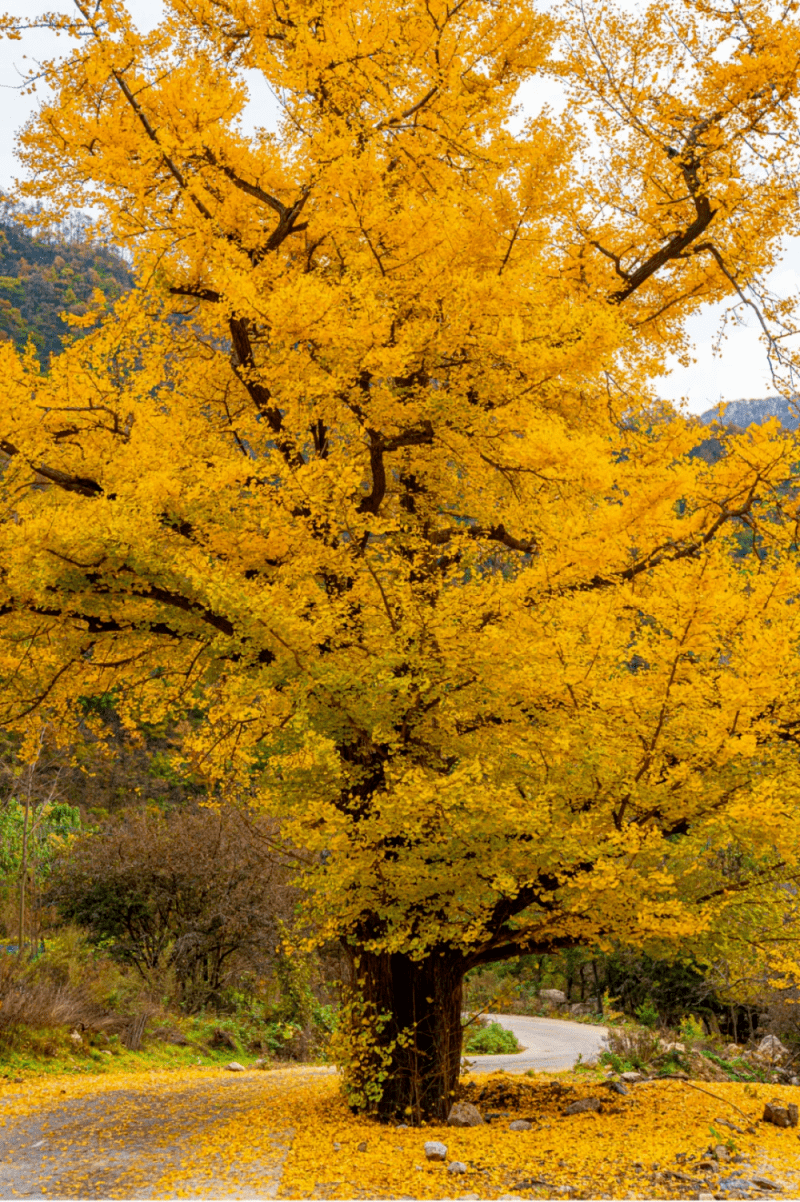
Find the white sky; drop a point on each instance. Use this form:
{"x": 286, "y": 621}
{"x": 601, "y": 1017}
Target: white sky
{"x": 741, "y": 371}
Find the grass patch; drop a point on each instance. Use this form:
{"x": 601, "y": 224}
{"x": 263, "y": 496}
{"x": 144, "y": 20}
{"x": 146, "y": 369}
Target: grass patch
{"x": 491, "y": 1040}
{"x": 26, "y": 1051}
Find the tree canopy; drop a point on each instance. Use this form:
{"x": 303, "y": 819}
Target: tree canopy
{"x": 369, "y": 469}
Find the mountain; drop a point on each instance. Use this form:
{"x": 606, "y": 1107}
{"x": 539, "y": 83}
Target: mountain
{"x": 42, "y": 277}
{"x": 745, "y": 413}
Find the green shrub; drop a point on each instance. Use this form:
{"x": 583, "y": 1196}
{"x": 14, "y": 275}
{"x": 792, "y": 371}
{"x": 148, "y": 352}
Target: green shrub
{"x": 647, "y": 1014}
{"x": 490, "y": 1041}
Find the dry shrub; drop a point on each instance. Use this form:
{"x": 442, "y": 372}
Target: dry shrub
{"x": 639, "y": 1046}
{"x": 70, "y": 984}
{"x": 26, "y": 1001}
{"x": 781, "y": 1016}
{"x": 192, "y": 900}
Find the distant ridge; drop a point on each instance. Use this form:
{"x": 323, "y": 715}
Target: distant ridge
{"x": 745, "y": 413}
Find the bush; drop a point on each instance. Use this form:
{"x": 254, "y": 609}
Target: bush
{"x": 189, "y": 899}
{"x": 647, "y": 1015}
{"x": 30, "y": 997}
{"x": 491, "y": 1040}
{"x": 632, "y": 1048}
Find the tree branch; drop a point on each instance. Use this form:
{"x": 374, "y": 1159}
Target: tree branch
{"x": 421, "y": 435}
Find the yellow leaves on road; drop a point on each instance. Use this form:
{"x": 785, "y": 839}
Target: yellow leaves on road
{"x": 193, "y": 1131}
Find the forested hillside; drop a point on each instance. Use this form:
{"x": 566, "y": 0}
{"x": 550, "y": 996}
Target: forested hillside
{"x": 43, "y": 277}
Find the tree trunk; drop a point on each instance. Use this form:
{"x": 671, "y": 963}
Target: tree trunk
{"x": 422, "y": 1002}
{"x": 23, "y": 873}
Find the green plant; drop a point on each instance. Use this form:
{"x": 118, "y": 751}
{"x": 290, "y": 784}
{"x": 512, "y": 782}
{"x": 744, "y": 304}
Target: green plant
{"x": 726, "y": 1141}
{"x": 491, "y": 1040}
{"x": 691, "y": 1030}
{"x": 363, "y": 1058}
{"x": 647, "y": 1014}
{"x": 631, "y": 1048}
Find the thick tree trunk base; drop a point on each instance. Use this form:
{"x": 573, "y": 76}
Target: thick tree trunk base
{"x": 422, "y": 1034}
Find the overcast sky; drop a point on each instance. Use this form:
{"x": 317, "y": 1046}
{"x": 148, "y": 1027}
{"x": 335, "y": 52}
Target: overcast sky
{"x": 740, "y": 372}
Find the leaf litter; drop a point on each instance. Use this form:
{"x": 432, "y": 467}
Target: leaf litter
{"x": 289, "y": 1134}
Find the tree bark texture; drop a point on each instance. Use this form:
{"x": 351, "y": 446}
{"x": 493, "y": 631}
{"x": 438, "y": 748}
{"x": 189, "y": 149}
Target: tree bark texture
{"x": 422, "y": 999}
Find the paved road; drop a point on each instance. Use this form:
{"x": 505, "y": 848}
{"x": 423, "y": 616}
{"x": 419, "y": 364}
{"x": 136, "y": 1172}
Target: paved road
{"x": 140, "y": 1142}
{"x": 551, "y": 1044}
{"x": 143, "y": 1138}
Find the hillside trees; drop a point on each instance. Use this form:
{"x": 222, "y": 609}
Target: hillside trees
{"x": 368, "y": 472}
{"x": 42, "y": 278}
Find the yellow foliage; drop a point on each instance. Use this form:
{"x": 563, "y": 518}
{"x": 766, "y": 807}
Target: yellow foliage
{"x": 367, "y": 479}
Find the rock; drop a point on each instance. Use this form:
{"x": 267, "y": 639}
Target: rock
{"x": 780, "y": 1116}
{"x": 337, "y": 1147}
{"x": 794, "y": 1080}
{"x": 731, "y": 1051}
{"x": 631, "y": 1076}
{"x": 520, "y": 1125}
{"x": 235, "y": 1067}
{"x": 616, "y": 1086}
{"x": 223, "y": 1039}
{"x": 457, "y": 1166}
{"x": 591, "y": 1005}
{"x": 435, "y": 1150}
{"x": 469, "y": 1198}
{"x": 554, "y": 996}
{"x": 583, "y": 1106}
{"x": 362, "y": 1147}
{"x": 765, "y": 1183}
{"x": 721, "y": 1153}
{"x": 464, "y": 1114}
{"x": 76, "y": 1038}
{"x": 772, "y": 1048}
{"x": 170, "y": 1035}
{"x": 680, "y": 1048}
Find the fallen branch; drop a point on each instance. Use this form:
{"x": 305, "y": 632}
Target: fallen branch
{"x": 691, "y": 1084}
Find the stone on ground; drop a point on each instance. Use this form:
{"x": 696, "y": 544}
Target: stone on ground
{"x": 771, "y": 1046}
{"x": 555, "y": 996}
{"x": 781, "y": 1116}
{"x": 464, "y": 1114}
{"x": 583, "y": 1106}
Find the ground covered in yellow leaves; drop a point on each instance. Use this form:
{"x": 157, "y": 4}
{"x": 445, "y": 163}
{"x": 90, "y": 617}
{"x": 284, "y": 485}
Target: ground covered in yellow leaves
{"x": 288, "y": 1134}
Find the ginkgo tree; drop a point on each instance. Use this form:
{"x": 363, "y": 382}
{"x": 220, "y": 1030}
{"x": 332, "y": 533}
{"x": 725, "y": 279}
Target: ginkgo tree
{"x": 367, "y": 488}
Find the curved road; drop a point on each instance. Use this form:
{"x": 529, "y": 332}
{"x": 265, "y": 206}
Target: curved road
{"x": 551, "y": 1045}
{"x": 161, "y": 1135}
